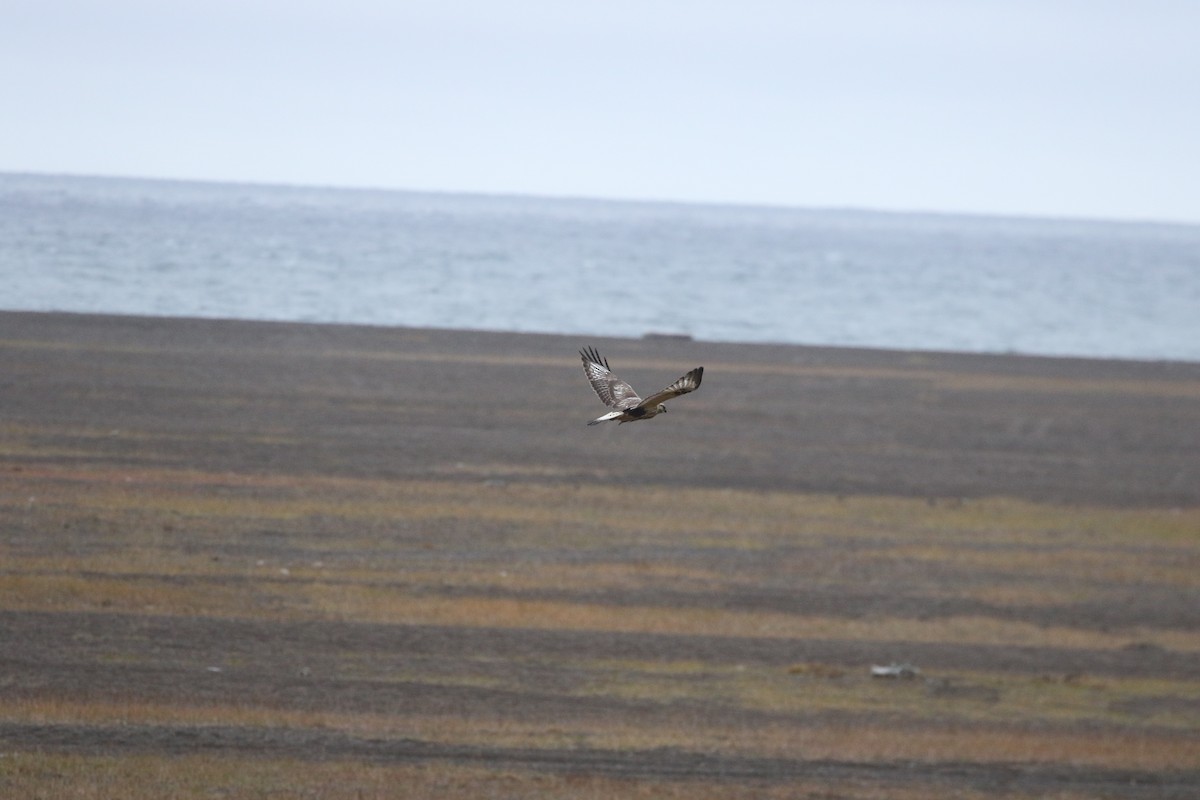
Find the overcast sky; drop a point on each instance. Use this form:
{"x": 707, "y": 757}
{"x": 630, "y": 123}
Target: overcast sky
{"x": 1031, "y": 107}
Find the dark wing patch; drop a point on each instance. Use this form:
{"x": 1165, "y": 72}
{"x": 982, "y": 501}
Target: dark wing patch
{"x": 613, "y": 392}
{"x": 688, "y": 383}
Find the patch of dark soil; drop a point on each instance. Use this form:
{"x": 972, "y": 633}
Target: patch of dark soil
{"x": 963, "y": 691}
{"x": 275, "y": 650}
{"x": 1151, "y": 607}
{"x": 1165, "y": 704}
{"x": 656, "y": 764}
{"x": 343, "y": 400}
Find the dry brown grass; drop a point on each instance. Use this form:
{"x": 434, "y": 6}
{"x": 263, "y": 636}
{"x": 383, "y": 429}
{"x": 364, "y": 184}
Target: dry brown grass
{"x": 856, "y": 742}
{"x": 73, "y": 777}
{"x": 144, "y": 530}
{"x": 549, "y": 556}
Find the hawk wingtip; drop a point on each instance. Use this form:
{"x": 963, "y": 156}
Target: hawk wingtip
{"x": 591, "y": 355}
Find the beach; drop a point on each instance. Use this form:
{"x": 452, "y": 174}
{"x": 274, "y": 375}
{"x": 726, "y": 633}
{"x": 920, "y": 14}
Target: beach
{"x": 330, "y": 560}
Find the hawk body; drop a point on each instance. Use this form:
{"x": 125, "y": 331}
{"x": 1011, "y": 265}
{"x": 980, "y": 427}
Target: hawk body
{"x": 620, "y": 396}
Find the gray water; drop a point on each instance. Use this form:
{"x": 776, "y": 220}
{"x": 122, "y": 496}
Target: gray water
{"x": 717, "y": 273}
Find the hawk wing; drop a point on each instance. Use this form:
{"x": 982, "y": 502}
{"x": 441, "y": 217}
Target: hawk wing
{"x": 614, "y": 392}
{"x": 688, "y": 383}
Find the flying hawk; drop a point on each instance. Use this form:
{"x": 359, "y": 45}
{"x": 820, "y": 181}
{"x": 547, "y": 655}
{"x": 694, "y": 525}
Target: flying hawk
{"x": 619, "y": 395}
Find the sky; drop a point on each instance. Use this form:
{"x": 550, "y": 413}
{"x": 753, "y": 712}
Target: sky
{"x": 1062, "y": 108}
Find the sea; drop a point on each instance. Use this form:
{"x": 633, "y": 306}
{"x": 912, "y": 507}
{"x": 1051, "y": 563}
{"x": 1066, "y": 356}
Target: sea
{"x": 841, "y": 277}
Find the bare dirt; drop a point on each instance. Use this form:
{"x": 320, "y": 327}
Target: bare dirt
{"x": 94, "y": 396}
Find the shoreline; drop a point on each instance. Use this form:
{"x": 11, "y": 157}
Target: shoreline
{"x": 648, "y": 336}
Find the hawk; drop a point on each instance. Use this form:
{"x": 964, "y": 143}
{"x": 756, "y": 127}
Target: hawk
{"x": 619, "y": 395}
